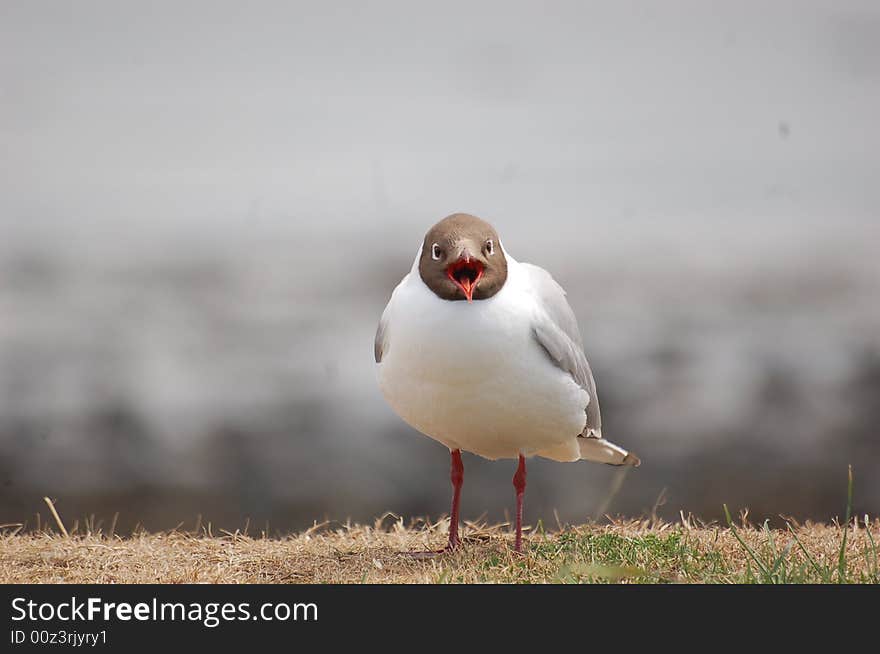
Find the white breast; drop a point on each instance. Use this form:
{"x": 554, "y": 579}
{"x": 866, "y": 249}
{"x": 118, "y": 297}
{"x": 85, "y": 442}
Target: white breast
{"x": 473, "y": 377}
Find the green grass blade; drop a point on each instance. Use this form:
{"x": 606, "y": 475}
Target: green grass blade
{"x": 822, "y": 573}
{"x": 745, "y": 545}
{"x": 841, "y": 559}
{"x": 769, "y": 534}
{"x": 780, "y": 560}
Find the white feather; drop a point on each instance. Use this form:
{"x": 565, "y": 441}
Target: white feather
{"x": 472, "y": 376}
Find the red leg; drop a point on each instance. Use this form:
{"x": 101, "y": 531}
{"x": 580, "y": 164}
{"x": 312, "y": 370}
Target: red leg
{"x": 519, "y": 483}
{"x": 456, "y": 476}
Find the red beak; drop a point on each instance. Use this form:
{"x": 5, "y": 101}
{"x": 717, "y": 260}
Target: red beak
{"x": 465, "y": 273}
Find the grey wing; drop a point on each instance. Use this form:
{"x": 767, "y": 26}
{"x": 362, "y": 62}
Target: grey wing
{"x": 380, "y": 344}
{"x": 557, "y": 332}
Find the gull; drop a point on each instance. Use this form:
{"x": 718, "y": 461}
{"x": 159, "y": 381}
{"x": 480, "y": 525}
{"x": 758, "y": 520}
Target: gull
{"x": 483, "y": 354}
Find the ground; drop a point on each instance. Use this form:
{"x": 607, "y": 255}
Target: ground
{"x": 645, "y": 551}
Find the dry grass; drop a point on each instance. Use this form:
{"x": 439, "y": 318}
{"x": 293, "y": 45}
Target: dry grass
{"x": 624, "y": 551}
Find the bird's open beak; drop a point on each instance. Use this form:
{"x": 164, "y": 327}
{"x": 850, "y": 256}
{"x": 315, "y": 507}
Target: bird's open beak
{"x": 466, "y": 273}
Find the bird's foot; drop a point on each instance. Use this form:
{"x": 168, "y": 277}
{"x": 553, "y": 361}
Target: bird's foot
{"x": 518, "y": 552}
{"x": 452, "y": 546}
{"x": 426, "y": 554}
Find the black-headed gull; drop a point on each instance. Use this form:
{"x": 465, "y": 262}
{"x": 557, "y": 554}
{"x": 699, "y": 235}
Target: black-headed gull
{"x": 483, "y": 354}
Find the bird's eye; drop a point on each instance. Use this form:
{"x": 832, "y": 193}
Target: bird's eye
{"x": 490, "y": 247}
{"x": 436, "y": 252}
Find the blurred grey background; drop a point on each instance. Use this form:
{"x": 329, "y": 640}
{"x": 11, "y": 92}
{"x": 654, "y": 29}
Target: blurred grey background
{"x": 205, "y": 206}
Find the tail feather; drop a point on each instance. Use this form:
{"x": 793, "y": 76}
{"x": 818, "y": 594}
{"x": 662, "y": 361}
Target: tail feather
{"x": 602, "y": 451}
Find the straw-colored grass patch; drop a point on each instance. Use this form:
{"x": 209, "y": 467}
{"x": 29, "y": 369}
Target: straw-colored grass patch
{"x": 646, "y": 551}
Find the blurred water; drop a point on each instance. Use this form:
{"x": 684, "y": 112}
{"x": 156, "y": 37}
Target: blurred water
{"x": 203, "y": 214}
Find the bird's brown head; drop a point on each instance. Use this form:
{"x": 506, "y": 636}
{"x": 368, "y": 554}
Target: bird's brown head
{"x": 462, "y": 259}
